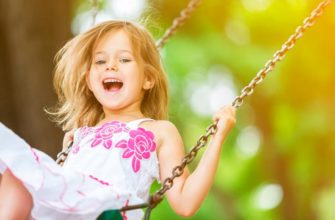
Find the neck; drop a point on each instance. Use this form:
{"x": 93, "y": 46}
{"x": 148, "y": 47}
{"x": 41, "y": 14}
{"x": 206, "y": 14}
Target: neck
{"x": 123, "y": 117}
{"x": 124, "y": 114}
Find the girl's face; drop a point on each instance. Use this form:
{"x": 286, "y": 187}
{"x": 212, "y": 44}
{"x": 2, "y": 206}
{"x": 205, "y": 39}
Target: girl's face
{"x": 116, "y": 77}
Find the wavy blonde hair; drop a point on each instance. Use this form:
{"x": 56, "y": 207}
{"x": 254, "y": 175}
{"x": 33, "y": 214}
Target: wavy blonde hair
{"x": 77, "y": 105}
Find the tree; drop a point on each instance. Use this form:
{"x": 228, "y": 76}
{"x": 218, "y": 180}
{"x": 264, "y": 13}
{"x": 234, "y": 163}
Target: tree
{"x": 31, "y": 32}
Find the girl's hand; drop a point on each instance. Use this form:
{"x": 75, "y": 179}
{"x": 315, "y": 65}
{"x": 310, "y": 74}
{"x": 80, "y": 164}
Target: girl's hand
{"x": 68, "y": 138}
{"x": 225, "y": 119}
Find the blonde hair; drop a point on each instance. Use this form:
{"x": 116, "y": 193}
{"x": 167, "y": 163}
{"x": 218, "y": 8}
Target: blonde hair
{"x": 77, "y": 105}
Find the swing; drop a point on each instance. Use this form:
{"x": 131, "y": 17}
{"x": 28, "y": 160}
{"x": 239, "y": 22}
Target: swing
{"x": 177, "y": 171}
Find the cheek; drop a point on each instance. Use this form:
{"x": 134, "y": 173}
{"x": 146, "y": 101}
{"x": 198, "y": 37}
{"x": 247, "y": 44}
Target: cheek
{"x": 89, "y": 80}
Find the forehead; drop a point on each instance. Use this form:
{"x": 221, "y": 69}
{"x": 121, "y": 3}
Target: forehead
{"x": 114, "y": 41}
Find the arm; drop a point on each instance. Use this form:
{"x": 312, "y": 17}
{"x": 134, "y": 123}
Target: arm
{"x": 189, "y": 190}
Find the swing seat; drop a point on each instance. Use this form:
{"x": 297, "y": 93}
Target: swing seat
{"x": 110, "y": 215}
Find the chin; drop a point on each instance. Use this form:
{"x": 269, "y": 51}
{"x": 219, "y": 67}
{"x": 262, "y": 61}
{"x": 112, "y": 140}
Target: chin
{"x": 112, "y": 107}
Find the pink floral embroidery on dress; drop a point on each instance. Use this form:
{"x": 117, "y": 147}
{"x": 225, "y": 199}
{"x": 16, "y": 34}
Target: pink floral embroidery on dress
{"x": 83, "y": 132}
{"x": 76, "y": 149}
{"x": 100, "y": 181}
{"x": 105, "y": 133}
{"x": 35, "y": 155}
{"x": 139, "y": 146}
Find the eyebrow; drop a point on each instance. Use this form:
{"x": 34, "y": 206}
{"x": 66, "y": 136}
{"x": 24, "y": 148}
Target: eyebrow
{"x": 118, "y": 51}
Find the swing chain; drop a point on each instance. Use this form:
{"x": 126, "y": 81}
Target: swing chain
{"x": 280, "y": 54}
{"x": 178, "y": 170}
{"x": 178, "y": 22}
{"x": 61, "y": 156}
{"x": 95, "y": 10}
{"x": 246, "y": 91}
{"x": 157, "y": 197}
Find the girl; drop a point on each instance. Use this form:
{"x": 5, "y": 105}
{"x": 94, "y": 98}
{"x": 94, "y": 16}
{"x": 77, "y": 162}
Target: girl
{"x": 113, "y": 99}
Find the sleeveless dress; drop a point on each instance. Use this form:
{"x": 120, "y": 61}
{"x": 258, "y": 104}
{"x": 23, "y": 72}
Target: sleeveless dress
{"x": 109, "y": 167}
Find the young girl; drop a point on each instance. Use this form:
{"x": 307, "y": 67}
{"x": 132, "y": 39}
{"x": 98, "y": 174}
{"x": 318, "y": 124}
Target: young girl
{"x": 113, "y": 101}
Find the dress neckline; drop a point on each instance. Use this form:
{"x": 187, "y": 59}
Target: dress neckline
{"x": 138, "y": 120}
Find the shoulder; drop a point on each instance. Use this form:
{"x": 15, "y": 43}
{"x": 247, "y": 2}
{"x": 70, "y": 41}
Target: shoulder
{"x": 163, "y": 130}
{"x": 161, "y": 127}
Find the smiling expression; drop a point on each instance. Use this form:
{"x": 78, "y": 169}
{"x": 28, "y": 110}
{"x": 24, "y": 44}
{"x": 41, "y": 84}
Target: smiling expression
{"x": 116, "y": 76}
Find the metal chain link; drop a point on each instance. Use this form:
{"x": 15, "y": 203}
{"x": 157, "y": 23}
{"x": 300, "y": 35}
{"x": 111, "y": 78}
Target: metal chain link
{"x": 95, "y": 10}
{"x": 308, "y": 22}
{"x": 61, "y": 156}
{"x": 246, "y": 91}
{"x": 188, "y": 158}
{"x": 178, "y": 22}
{"x": 279, "y": 54}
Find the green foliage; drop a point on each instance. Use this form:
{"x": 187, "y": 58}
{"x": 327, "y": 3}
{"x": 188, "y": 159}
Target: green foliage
{"x": 293, "y": 110}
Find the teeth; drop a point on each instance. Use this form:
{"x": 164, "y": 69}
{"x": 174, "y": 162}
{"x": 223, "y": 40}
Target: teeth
{"x": 112, "y": 81}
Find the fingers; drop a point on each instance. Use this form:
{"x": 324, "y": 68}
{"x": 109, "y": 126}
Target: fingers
{"x": 226, "y": 113}
{"x": 225, "y": 120}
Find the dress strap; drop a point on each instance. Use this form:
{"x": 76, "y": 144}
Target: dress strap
{"x": 137, "y": 122}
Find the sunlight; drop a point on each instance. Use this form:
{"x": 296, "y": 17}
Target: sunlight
{"x": 268, "y": 196}
{"x": 248, "y": 141}
{"x": 208, "y": 95}
{"x": 83, "y": 21}
{"x": 256, "y": 5}
{"x": 126, "y": 9}
{"x": 237, "y": 32}
{"x": 114, "y": 9}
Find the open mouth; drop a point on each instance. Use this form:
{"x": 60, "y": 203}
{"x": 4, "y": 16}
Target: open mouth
{"x": 112, "y": 85}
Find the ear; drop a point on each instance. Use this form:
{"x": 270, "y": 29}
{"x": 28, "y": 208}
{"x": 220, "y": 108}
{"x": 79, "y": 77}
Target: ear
{"x": 148, "y": 83}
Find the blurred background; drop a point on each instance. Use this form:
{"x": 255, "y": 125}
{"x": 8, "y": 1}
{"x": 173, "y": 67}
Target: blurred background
{"x": 277, "y": 163}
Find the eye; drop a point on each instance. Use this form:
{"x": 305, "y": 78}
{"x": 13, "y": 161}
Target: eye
{"x": 99, "y": 62}
{"x": 125, "y": 60}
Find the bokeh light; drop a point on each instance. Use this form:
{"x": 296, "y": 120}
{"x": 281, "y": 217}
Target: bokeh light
{"x": 248, "y": 141}
{"x": 268, "y": 196}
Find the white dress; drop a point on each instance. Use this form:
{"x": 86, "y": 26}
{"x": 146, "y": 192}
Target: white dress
{"x": 109, "y": 166}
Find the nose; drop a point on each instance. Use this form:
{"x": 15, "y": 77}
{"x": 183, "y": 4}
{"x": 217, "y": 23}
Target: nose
{"x": 112, "y": 66}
